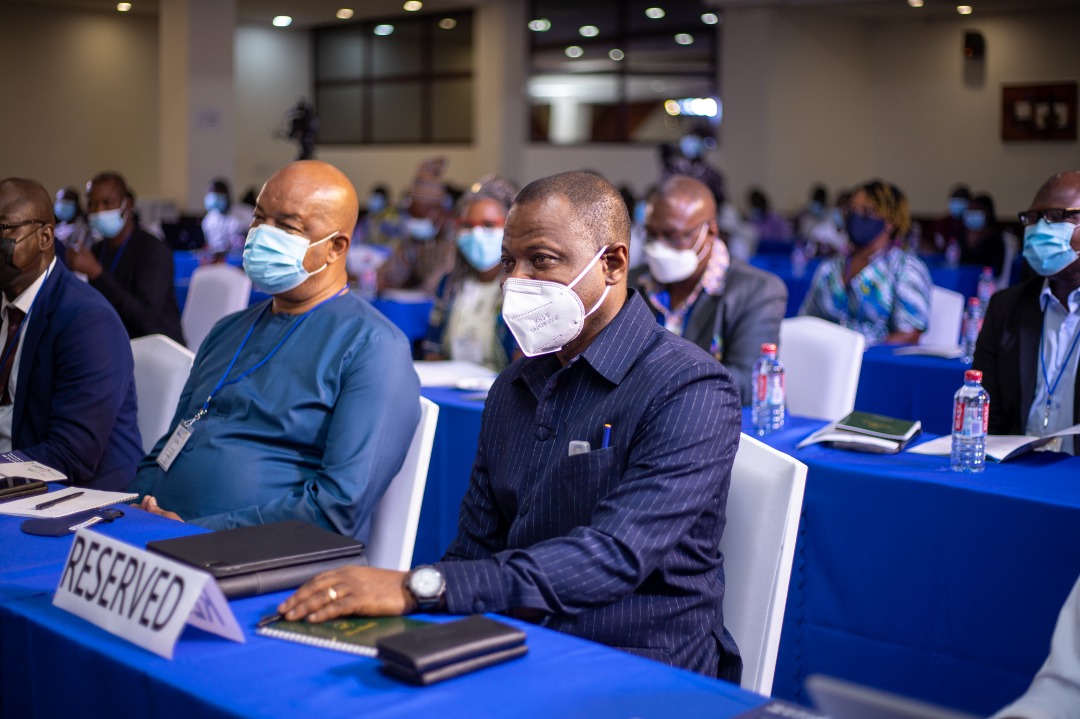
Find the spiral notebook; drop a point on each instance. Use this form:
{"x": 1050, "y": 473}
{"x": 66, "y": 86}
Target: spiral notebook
{"x": 81, "y": 500}
{"x": 355, "y": 635}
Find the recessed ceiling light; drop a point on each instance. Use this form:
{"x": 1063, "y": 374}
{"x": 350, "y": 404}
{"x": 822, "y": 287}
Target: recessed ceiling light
{"x": 383, "y": 29}
{"x": 915, "y": 3}
{"x": 412, "y": 6}
{"x": 589, "y": 31}
{"x": 684, "y": 38}
{"x": 710, "y": 18}
{"x": 616, "y": 54}
{"x": 282, "y": 21}
{"x": 574, "y": 51}
{"x": 540, "y": 25}
{"x": 448, "y": 23}
{"x": 123, "y": 6}
{"x": 655, "y": 13}
{"x": 344, "y": 13}
{"x": 963, "y": 9}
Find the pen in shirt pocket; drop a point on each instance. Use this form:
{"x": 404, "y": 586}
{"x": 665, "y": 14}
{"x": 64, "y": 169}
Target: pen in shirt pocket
{"x": 606, "y": 442}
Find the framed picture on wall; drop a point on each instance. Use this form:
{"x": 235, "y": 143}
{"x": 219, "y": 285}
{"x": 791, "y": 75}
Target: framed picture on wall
{"x": 1038, "y": 112}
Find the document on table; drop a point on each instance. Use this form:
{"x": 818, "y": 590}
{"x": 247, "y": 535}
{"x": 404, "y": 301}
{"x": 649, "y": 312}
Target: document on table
{"x": 452, "y": 373}
{"x": 999, "y": 447}
{"x": 16, "y": 464}
{"x": 83, "y": 500}
{"x": 946, "y": 351}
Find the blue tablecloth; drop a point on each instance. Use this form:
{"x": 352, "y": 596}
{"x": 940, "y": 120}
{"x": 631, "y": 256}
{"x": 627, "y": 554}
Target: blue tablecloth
{"x": 56, "y": 664}
{"x": 910, "y": 387}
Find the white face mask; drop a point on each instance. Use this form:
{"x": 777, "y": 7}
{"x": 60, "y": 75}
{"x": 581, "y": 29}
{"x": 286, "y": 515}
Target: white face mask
{"x": 543, "y": 316}
{"x": 668, "y": 265}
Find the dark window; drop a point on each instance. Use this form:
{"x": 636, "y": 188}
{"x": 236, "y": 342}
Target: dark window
{"x": 621, "y": 70}
{"x": 396, "y": 80}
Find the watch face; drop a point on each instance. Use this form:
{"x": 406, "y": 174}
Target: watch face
{"x": 426, "y": 582}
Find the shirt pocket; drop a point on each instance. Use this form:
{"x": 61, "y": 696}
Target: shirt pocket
{"x": 583, "y": 480}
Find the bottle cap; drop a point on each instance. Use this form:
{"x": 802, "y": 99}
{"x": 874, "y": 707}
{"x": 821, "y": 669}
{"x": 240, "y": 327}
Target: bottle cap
{"x": 973, "y": 374}
{"x": 973, "y": 301}
{"x": 768, "y": 347}
{"x": 988, "y": 270}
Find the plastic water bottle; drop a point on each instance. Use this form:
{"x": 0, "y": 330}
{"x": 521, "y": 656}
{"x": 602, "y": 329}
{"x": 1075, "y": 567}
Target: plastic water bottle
{"x": 767, "y": 411}
{"x": 368, "y": 282}
{"x": 952, "y": 253}
{"x": 971, "y": 415}
{"x": 973, "y": 319}
{"x": 798, "y": 261}
{"x": 987, "y": 286}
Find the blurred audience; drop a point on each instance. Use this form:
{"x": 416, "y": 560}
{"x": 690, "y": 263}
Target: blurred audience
{"x": 224, "y": 225}
{"x": 770, "y": 226}
{"x": 424, "y": 252}
{"x": 71, "y": 227}
{"x": 983, "y": 243}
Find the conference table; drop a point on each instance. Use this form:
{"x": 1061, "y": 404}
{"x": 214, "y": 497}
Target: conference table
{"x": 57, "y": 664}
{"x": 907, "y": 576}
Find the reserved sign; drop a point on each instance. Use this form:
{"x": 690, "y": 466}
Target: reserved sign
{"x": 140, "y": 596}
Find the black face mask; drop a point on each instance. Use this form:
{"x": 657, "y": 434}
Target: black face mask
{"x": 9, "y": 271}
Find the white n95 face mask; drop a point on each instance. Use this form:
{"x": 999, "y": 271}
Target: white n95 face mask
{"x": 667, "y": 265}
{"x": 543, "y": 316}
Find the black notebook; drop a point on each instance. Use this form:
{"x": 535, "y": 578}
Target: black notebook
{"x": 441, "y": 651}
{"x": 265, "y": 558}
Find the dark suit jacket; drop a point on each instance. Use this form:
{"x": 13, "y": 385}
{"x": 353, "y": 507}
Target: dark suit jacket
{"x": 75, "y": 393}
{"x": 141, "y": 286}
{"x": 746, "y": 315}
{"x": 1007, "y": 352}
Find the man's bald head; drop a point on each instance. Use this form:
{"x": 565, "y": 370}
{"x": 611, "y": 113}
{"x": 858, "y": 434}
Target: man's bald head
{"x": 27, "y": 196}
{"x": 323, "y": 190}
{"x": 683, "y": 189}
{"x": 1061, "y": 185}
{"x": 27, "y": 249}
{"x": 598, "y": 213}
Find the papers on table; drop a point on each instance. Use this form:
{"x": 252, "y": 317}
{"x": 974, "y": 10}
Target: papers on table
{"x": 85, "y": 499}
{"x": 999, "y": 447}
{"x": 865, "y": 432}
{"x": 33, "y": 470}
{"x": 462, "y": 375}
{"x": 946, "y": 351}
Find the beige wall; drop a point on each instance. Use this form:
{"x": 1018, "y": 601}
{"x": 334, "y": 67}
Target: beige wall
{"x": 80, "y": 96}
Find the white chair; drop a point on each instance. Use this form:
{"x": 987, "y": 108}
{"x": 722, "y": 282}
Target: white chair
{"x": 946, "y": 316}
{"x": 763, "y": 510}
{"x": 822, "y": 362}
{"x": 215, "y": 291}
{"x": 393, "y": 525}
{"x": 162, "y": 367}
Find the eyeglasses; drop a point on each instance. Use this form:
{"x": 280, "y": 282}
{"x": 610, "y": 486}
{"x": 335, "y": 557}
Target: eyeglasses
{"x": 683, "y": 242}
{"x": 1056, "y": 214}
{"x": 5, "y": 229}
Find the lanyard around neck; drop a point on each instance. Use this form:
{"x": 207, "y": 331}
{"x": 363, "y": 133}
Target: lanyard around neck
{"x": 1050, "y": 388}
{"x": 225, "y": 382}
{"x": 117, "y": 256}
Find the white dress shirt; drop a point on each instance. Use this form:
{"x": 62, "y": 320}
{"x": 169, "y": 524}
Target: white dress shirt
{"x": 1060, "y": 328}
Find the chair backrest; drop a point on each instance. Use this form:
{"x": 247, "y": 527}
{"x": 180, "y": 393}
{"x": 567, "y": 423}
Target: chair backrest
{"x": 394, "y": 523}
{"x": 946, "y": 317}
{"x": 822, "y": 362}
{"x": 215, "y": 291}
{"x": 763, "y": 510}
{"x": 162, "y": 367}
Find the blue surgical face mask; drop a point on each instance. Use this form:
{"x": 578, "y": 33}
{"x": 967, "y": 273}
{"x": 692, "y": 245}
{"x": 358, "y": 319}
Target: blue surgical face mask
{"x": 108, "y": 223}
{"x": 957, "y": 205}
{"x": 1048, "y": 246}
{"x": 481, "y": 246}
{"x": 376, "y": 202}
{"x": 215, "y": 201}
{"x": 863, "y": 230}
{"x": 421, "y": 228}
{"x": 817, "y": 209}
{"x": 274, "y": 258}
{"x": 65, "y": 210}
{"x": 974, "y": 220}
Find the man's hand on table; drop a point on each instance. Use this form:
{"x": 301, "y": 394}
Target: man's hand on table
{"x": 363, "y": 591}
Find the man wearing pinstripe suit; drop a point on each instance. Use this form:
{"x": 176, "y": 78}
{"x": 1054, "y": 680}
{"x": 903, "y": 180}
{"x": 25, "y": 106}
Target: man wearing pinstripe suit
{"x": 617, "y": 543}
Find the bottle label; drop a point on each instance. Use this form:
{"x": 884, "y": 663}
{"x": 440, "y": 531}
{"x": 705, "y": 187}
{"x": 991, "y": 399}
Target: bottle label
{"x": 769, "y": 388}
{"x": 971, "y": 420}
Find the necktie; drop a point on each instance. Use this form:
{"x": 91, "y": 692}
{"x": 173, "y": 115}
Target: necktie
{"x": 15, "y": 318}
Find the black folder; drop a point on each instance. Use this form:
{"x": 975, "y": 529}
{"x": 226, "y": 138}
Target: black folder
{"x": 265, "y": 558}
{"x": 441, "y": 651}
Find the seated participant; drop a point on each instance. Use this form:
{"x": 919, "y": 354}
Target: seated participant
{"x": 1027, "y": 348}
{"x": 66, "y": 368}
{"x": 71, "y": 229}
{"x": 770, "y": 226}
{"x": 302, "y": 406}
{"x": 618, "y": 544}
{"x": 130, "y": 267}
{"x": 224, "y": 225}
{"x": 466, "y": 321}
{"x": 698, "y": 291}
{"x": 983, "y": 244}
{"x": 424, "y": 251}
{"x": 881, "y": 291}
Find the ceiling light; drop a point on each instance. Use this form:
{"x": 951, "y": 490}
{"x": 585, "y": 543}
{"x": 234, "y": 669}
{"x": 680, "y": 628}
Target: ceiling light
{"x": 344, "y": 13}
{"x": 963, "y": 9}
{"x": 655, "y": 13}
{"x": 915, "y": 3}
{"x": 684, "y": 38}
{"x": 412, "y": 6}
{"x": 672, "y": 108}
{"x": 710, "y": 18}
{"x": 574, "y": 51}
{"x": 540, "y": 25}
{"x": 589, "y": 31}
{"x": 448, "y": 23}
{"x": 282, "y": 21}
{"x": 382, "y": 30}
{"x": 123, "y": 6}
{"x": 616, "y": 54}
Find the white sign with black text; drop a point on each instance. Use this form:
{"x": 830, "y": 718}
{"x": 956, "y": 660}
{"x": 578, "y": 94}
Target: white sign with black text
{"x": 140, "y": 596}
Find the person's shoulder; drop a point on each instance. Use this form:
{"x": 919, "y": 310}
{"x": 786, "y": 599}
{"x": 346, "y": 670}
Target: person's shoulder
{"x": 667, "y": 356}
{"x": 1026, "y": 290}
{"x": 365, "y": 322}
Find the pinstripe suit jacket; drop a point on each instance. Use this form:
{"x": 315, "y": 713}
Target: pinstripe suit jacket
{"x": 618, "y": 545}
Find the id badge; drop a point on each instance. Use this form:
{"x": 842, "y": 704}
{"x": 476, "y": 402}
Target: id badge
{"x": 176, "y": 442}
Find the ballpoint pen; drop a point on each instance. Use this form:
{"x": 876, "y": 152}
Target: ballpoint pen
{"x": 58, "y": 500}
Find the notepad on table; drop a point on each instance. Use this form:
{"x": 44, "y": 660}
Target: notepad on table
{"x": 999, "y": 447}
{"x": 355, "y": 635}
{"x": 86, "y": 499}
{"x": 866, "y": 432}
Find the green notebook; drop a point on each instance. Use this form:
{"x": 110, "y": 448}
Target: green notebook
{"x": 877, "y": 425}
{"x": 865, "y": 432}
{"x": 356, "y": 635}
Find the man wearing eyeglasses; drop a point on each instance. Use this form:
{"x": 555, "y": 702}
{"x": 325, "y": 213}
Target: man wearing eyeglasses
{"x": 66, "y": 372}
{"x": 1027, "y": 349}
{"x": 698, "y": 291}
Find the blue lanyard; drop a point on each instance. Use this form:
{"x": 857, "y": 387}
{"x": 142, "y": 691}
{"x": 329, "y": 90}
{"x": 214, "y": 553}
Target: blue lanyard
{"x": 222, "y": 383}
{"x": 15, "y": 340}
{"x": 1061, "y": 370}
{"x": 119, "y": 254}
